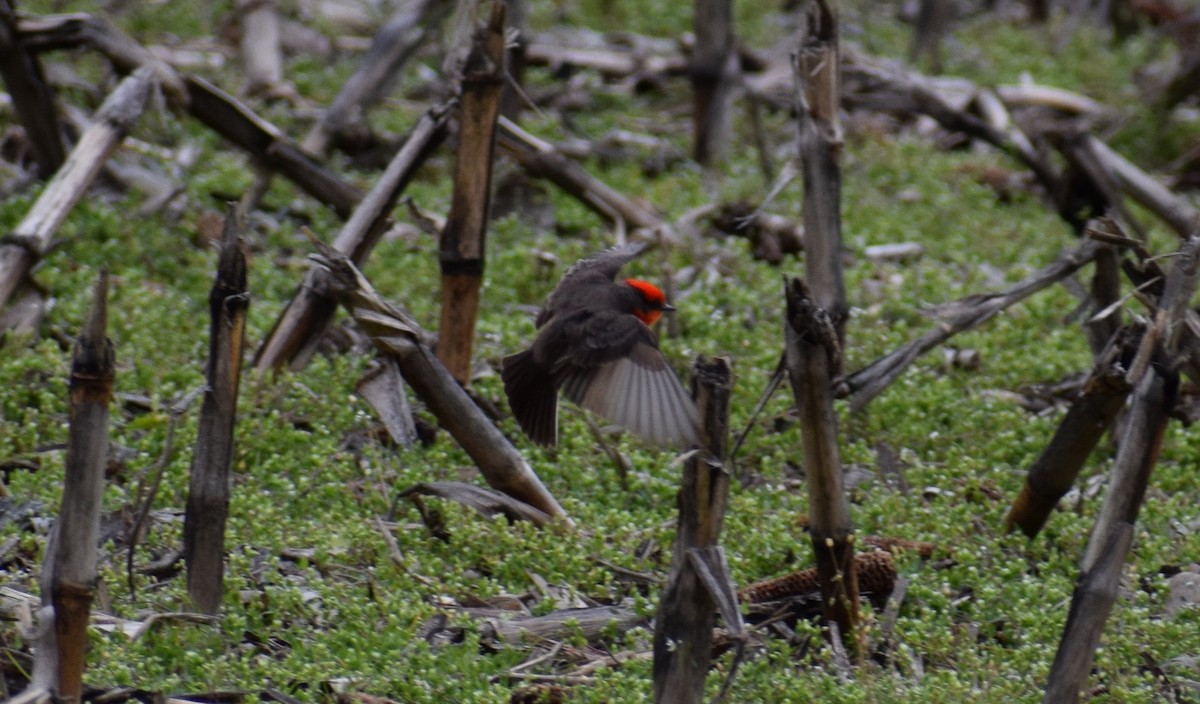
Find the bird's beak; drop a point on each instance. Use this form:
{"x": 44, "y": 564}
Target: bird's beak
{"x": 668, "y": 308}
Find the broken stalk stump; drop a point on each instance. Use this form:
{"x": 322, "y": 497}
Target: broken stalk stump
{"x": 687, "y": 609}
{"x": 209, "y": 485}
{"x": 69, "y": 570}
{"x": 1090, "y": 416}
{"x": 297, "y": 331}
{"x": 813, "y": 359}
{"x": 397, "y": 335}
{"x": 818, "y": 80}
{"x": 463, "y": 241}
{"x": 31, "y": 239}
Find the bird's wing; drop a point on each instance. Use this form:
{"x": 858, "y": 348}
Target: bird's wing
{"x": 615, "y": 369}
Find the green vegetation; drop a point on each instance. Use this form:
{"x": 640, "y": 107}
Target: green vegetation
{"x": 979, "y": 623}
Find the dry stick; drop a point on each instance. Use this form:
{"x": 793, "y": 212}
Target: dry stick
{"x": 293, "y": 339}
{"x": 687, "y": 609}
{"x": 1105, "y": 291}
{"x": 714, "y": 72}
{"x": 69, "y": 570}
{"x": 813, "y": 360}
{"x": 463, "y": 241}
{"x": 219, "y": 111}
{"x": 32, "y": 96}
{"x": 262, "y": 58}
{"x": 921, "y": 98}
{"x": 1173, "y": 209}
{"x": 541, "y": 159}
{"x": 1156, "y": 391}
{"x": 818, "y": 81}
{"x": 867, "y": 383}
{"x": 397, "y": 335}
{"x": 393, "y": 45}
{"x": 1091, "y": 414}
{"x": 31, "y": 239}
{"x": 1100, "y": 570}
{"x": 209, "y": 484}
{"x": 1091, "y": 602}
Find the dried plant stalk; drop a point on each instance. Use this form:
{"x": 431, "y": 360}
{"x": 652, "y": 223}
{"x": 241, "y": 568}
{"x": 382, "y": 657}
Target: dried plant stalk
{"x": 687, "y": 609}
{"x": 69, "y": 570}
{"x": 209, "y": 485}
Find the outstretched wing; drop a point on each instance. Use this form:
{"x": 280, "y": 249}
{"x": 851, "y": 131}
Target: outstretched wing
{"x": 614, "y": 368}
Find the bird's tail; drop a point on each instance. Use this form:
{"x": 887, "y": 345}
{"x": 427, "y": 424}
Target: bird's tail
{"x": 532, "y": 397}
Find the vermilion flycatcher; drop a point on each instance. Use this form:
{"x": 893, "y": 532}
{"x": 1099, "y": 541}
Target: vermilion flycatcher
{"x": 595, "y": 344}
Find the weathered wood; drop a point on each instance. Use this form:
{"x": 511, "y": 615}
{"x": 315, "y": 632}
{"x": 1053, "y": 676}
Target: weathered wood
{"x": 217, "y": 110}
{"x": 1156, "y": 389}
{"x": 687, "y": 609}
{"x": 297, "y": 331}
{"x": 236, "y": 122}
{"x": 1091, "y": 414}
{"x": 714, "y": 73}
{"x": 209, "y": 484}
{"x": 867, "y": 383}
{"x": 1172, "y": 208}
{"x": 541, "y": 159}
{"x": 394, "y": 44}
{"x": 262, "y": 53}
{"x": 397, "y": 335}
{"x": 818, "y": 102}
{"x": 1091, "y": 602}
{"x": 463, "y": 246}
{"x": 590, "y": 622}
{"x": 69, "y": 568}
{"x": 1154, "y": 397}
{"x": 32, "y": 96}
{"x": 31, "y": 239}
{"x": 813, "y": 360}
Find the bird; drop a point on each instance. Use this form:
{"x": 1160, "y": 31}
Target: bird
{"x": 595, "y": 345}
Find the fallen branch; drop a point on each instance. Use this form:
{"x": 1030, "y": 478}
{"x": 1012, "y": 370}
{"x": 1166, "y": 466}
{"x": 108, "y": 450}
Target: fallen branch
{"x": 393, "y": 45}
{"x": 216, "y": 109}
{"x": 297, "y": 331}
{"x": 541, "y": 159}
{"x": 30, "y": 240}
{"x": 397, "y": 335}
{"x": 865, "y": 384}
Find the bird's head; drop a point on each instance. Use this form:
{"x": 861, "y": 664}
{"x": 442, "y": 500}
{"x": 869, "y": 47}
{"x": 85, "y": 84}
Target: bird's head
{"x": 651, "y": 303}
